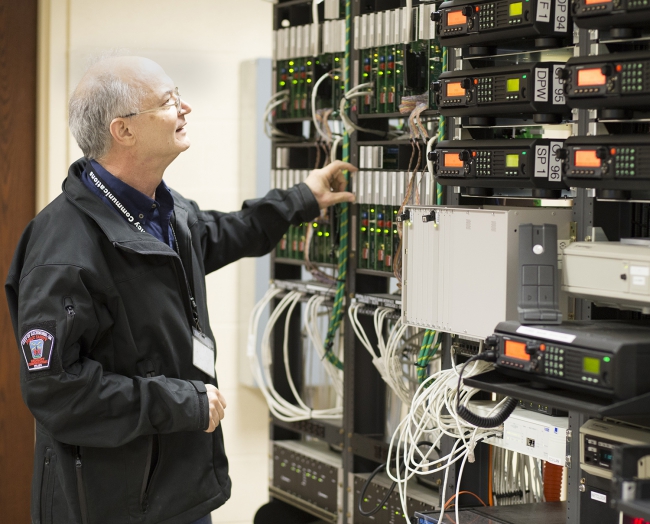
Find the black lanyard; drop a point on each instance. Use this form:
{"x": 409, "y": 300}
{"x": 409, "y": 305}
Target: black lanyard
{"x": 130, "y": 218}
{"x": 108, "y": 195}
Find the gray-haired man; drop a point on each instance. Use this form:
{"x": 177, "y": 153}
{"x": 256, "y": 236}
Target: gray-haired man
{"x": 108, "y": 302}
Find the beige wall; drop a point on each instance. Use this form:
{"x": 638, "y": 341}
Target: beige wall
{"x": 200, "y": 44}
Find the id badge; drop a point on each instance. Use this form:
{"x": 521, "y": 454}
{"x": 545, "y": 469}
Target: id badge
{"x": 203, "y": 354}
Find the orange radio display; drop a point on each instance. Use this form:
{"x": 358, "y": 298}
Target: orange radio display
{"x": 516, "y": 350}
{"x": 591, "y": 77}
{"x": 592, "y": 2}
{"x": 586, "y": 158}
{"x": 456, "y": 18}
{"x": 453, "y": 160}
{"x": 455, "y": 89}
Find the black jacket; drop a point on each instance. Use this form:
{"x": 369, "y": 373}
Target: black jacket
{"x": 121, "y": 410}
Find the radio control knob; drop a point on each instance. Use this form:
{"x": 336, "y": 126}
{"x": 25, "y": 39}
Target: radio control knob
{"x": 464, "y": 155}
{"x": 563, "y": 74}
{"x": 601, "y": 153}
{"x": 607, "y": 70}
{"x": 532, "y": 347}
{"x": 465, "y": 83}
{"x": 436, "y": 16}
{"x": 432, "y": 155}
{"x": 435, "y": 87}
{"x": 561, "y": 154}
{"x": 468, "y": 10}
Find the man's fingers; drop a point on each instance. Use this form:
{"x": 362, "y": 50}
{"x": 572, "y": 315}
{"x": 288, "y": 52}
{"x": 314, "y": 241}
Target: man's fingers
{"x": 222, "y": 399}
{"x": 340, "y": 197}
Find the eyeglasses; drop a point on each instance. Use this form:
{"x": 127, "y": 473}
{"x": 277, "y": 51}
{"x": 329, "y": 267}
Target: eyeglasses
{"x": 175, "y": 101}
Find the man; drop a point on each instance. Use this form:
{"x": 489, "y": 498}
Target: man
{"x": 108, "y": 302}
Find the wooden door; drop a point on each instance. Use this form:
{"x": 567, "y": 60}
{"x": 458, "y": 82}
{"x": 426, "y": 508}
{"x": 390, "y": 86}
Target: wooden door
{"x": 18, "y": 23}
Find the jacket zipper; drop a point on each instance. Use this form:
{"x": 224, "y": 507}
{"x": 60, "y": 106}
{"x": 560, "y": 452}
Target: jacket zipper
{"x": 144, "y": 490}
{"x": 46, "y": 513}
{"x": 80, "y": 489}
{"x": 69, "y": 320}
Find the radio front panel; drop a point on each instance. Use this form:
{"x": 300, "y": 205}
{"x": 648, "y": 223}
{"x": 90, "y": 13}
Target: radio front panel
{"x": 603, "y": 358}
{"x": 516, "y": 163}
{"x": 618, "y": 80}
{"x": 467, "y": 23}
{"x": 609, "y": 14}
{"x": 520, "y": 90}
{"x": 616, "y": 162}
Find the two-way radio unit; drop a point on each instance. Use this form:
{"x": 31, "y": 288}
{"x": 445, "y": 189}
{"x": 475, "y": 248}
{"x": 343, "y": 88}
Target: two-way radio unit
{"x": 610, "y": 14}
{"x": 608, "y": 162}
{"x": 614, "y": 81}
{"x": 524, "y": 90}
{"x": 605, "y": 358}
{"x": 515, "y": 163}
{"x": 463, "y": 23}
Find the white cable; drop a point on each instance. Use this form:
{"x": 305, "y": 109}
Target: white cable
{"x": 430, "y": 145}
{"x": 335, "y": 146}
{"x": 261, "y": 369}
{"x": 314, "y": 94}
{"x": 433, "y": 415}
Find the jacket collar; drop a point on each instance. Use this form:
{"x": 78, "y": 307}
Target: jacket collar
{"x": 116, "y": 229}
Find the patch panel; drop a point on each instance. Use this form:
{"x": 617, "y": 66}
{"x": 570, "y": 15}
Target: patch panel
{"x": 309, "y": 475}
{"x": 419, "y": 499}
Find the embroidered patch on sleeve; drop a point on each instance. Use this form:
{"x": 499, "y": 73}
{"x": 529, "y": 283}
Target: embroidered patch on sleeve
{"x": 38, "y": 348}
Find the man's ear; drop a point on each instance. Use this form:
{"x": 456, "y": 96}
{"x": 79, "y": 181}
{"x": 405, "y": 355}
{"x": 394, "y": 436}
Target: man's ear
{"x": 122, "y": 132}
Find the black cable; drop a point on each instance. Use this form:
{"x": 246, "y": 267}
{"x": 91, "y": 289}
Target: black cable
{"x": 365, "y": 488}
{"x": 477, "y": 420}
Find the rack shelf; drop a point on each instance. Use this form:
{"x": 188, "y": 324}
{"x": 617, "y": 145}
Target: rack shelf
{"x": 634, "y": 410}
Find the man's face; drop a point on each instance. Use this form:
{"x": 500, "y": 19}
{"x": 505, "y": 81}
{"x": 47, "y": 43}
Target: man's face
{"x": 160, "y": 134}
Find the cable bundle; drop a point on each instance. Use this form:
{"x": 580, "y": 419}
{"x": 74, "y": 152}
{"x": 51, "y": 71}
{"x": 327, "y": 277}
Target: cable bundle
{"x": 431, "y": 416}
{"x": 388, "y": 361}
{"x": 261, "y": 369}
{"x": 517, "y": 478}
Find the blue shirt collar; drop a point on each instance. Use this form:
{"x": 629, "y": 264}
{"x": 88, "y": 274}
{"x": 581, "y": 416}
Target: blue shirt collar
{"x": 136, "y": 202}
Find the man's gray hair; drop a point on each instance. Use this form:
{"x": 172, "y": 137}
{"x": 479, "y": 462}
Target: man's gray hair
{"x": 93, "y": 106}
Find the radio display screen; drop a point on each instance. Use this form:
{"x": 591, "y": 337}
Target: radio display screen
{"x": 592, "y": 2}
{"x": 591, "y": 77}
{"x": 516, "y": 350}
{"x": 453, "y": 160}
{"x": 512, "y": 160}
{"x": 512, "y": 85}
{"x": 586, "y": 158}
{"x": 516, "y": 9}
{"x": 591, "y": 365}
{"x": 455, "y": 89}
{"x": 456, "y": 17}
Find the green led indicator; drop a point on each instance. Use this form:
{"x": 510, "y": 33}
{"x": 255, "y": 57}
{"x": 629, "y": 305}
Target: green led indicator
{"x": 320, "y": 233}
{"x": 524, "y": 76}
{"x": 606, "y": 359}
{"x": 372, "y": 210}
{"x": 523, "y": 152}
{"x": 295, "y": 82}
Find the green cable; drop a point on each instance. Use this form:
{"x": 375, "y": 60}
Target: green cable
{"x": 441, "y": 128}
{"x": 426, "y": 354}
{"x": 337, "y": 309}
